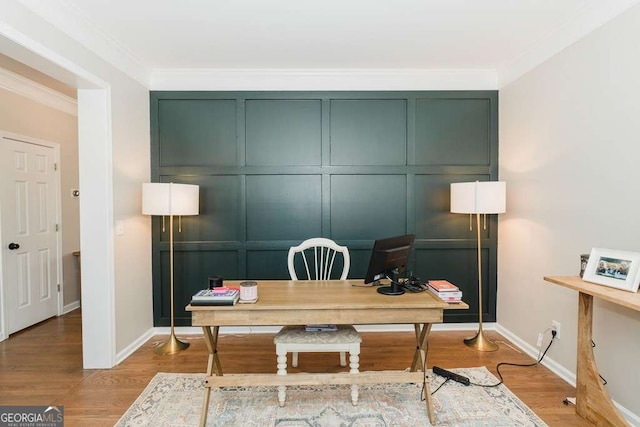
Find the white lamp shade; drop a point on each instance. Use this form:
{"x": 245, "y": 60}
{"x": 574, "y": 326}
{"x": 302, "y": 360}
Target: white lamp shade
{"x": 479, "y": 197}
{"x": 170, "y": 199}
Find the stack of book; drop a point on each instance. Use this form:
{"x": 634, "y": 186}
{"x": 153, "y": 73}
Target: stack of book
{"x": 216, "y": 296}
{"x": 445, "y": 290}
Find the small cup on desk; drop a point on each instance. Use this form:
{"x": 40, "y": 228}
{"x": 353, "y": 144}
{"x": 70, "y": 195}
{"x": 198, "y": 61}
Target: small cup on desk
{"x": 248, "y": 291}
{"x": 215, "y": 282}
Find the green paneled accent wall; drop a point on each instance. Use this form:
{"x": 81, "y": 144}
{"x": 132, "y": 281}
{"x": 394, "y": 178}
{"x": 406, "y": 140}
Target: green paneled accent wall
{"x": 283, "y": 132}
{"x": 366, "y": 204}
{"x": 448, "y": 132}
{"x": 276, "y": 168}
{"x": 189, "y": 136}
{"x": 368, "y": 132}
{"x": 283, "y": 207}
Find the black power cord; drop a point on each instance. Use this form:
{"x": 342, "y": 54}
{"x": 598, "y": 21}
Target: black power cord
{"x": 413, "y": 284}
{"x": 604, "y": 382}
{"x": 410, "y": 281}
{"x": 553, "y": 337}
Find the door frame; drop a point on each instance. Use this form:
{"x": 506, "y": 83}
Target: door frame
{"x": 95, "y": 179}
{"x": 58, "y": 195}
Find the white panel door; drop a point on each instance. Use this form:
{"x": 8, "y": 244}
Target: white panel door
{"x": 29, "y": 238}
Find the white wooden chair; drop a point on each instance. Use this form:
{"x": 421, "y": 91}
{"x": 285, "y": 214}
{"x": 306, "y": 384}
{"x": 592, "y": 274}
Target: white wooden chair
{"x": 322, "y": 253}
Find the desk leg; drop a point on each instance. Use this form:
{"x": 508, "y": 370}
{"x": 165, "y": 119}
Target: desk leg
{"x": 213, "y": 365}
{"x": 592, "y": 400}
{"x": 422, "y": 343}
{"x": 419, "y": 364}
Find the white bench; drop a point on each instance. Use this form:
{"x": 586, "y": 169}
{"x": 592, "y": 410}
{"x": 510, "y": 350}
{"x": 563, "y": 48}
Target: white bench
{"x": 296, "y": 339}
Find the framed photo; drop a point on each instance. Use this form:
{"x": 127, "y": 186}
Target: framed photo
{"x": 616, "y": 269}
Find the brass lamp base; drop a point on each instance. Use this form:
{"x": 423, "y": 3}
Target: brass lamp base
{"x": 172, "y": 346}
{"x": 480, "y": 342}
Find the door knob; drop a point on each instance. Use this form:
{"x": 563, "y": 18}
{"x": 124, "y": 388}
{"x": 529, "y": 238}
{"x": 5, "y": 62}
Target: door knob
{"x": 13, "y": 246}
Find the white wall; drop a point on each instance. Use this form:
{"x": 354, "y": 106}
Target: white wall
{"x": 131, "y": 167}
{"x": 119, "y": 284}
{"x": 570, "y": 154}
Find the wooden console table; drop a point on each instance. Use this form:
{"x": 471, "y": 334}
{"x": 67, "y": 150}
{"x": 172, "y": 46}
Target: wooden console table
{"x": 592, "y": 400}
{"x": 315, "y": 302}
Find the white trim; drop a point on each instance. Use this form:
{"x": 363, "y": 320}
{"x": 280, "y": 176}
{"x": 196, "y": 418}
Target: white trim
{"x": 82, "y": 77}
{"x": 323, "y": 79}
{"x": 631, "y": 418}
{"x": 96, "y": 228}
{"x": 98, "y": 315}
{"x": 70, "y": 307}
{"x": 58, "y": 181}
{"x": 135, "y": 345}
{"x": 71, "y": 20}
{"x": 35, "y": 91}
{"x": 558, "y": 369}
{"x": 558, "y": 40}
{"x": 533, "y": 352}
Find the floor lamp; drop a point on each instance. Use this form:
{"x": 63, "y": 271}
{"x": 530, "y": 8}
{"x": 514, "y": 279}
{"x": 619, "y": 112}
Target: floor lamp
{"x": 479, "y": 198}
{"x": 170, "y": 200}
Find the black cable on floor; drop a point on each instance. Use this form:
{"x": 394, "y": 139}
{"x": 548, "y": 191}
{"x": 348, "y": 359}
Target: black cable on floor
{"x": 553, "y": 337}
{"x": 443, "y": 383}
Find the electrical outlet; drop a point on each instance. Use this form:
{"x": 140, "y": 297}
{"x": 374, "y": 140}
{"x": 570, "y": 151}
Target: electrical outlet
{"x": 540, "y": 337}
{"x": 555, "y": 326}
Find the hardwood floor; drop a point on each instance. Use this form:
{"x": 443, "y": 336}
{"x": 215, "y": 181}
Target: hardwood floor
{"x": 42, "y": 365}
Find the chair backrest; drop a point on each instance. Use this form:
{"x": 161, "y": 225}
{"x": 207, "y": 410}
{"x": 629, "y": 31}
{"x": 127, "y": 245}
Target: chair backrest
{"x": 324, "y": 253}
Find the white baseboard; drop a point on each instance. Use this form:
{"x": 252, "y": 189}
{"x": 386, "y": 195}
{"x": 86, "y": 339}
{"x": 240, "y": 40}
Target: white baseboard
{"x": 559, "y": 370}
{"x": 70, "y": 307}
{"x": 532, "y": 351}
{"x": 131, "y": 348}
{"x": 631, "y": 418}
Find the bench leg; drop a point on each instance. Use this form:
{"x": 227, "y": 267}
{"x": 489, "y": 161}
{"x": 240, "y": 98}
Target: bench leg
{"x": 343, "y": 359}
{"x": 282, "y": 370}
{"x": 354, "y": 365}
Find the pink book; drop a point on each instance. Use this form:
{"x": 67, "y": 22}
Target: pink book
{"x": 443, "y": 286}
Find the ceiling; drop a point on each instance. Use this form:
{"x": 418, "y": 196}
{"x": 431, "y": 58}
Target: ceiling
{"x": 161, "y": 35}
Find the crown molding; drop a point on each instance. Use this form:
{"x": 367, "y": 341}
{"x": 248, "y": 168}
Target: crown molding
{"x": 37, "y": 92}
{"x": 323, "y": 79}
{"x": 69, "y": 19}
{"x": 588, "y": 21}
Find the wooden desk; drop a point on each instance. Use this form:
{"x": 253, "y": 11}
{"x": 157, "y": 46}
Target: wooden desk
{"x": 290, "y": 302}
{"x": 592, "y": 400}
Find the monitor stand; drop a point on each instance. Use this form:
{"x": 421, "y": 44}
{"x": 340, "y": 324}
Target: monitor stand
{"x": 395, "y": 288}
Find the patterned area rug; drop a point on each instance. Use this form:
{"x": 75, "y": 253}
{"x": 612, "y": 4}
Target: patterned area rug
{"x": 176, "y": 399}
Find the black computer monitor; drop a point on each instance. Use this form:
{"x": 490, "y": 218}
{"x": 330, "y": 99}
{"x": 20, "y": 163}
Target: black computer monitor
{"x": 389, "y": 258}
